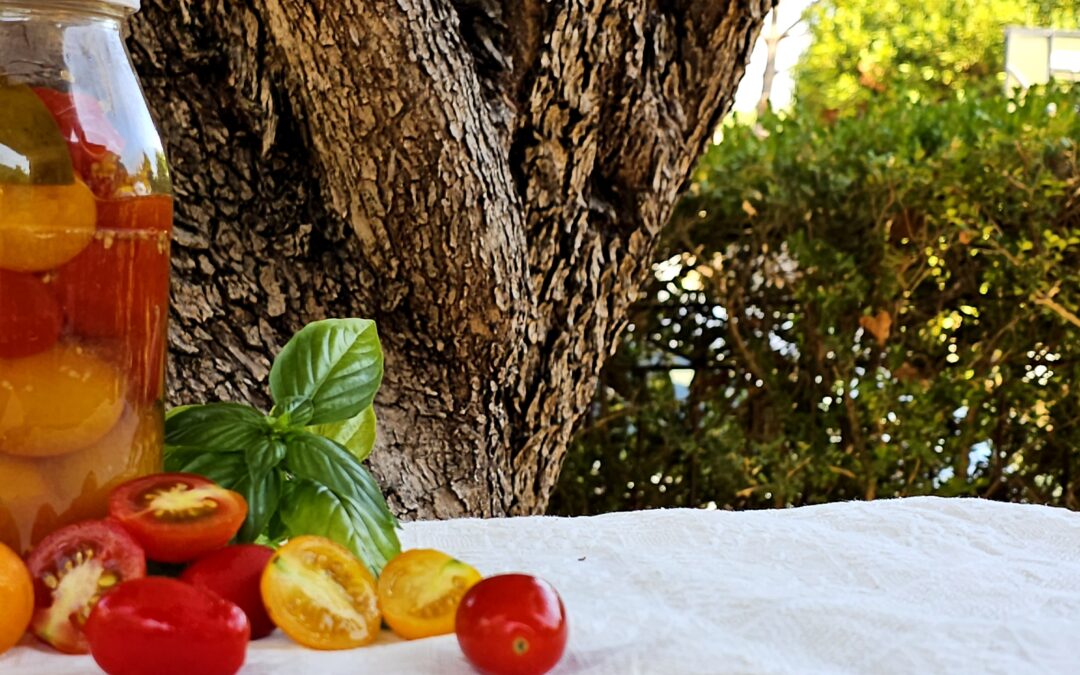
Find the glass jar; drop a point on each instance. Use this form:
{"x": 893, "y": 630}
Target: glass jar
{"x": 85, "y": 223}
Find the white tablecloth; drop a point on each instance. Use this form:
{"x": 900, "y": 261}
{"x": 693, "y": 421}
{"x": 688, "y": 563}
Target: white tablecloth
{"x": 917, "y": 585}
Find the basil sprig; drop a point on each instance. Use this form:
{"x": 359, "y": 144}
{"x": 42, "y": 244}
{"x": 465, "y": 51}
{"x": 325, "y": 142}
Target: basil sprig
{"x": 299, "y": 467}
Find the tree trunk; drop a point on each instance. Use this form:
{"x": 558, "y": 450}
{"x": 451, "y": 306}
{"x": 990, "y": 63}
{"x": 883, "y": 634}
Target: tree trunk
{"x": 484, "y": 178}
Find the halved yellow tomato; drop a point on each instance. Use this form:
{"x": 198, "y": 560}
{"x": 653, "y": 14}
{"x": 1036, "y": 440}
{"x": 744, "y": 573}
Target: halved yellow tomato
{"x": 321, "y": 595}
{"x": 16, "y": 597}
{"x": 420, "y": 590}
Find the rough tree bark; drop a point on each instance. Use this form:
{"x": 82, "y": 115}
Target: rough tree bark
{"x": 485, "y": 178}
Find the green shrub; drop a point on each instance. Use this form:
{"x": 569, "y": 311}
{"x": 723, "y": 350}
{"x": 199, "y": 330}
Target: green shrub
{"x": 882, "y": 305}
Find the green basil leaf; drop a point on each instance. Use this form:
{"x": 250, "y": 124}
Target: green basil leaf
{"x": 216, "y": 427}
{"x": 263, "y": 456}
{"x": 322, "y": 461}
{"x": 337, "y": 364}
{"x": 315, "y": 509}
{"x": 356, "y": 434}
{"x": 295, "y": 411}
{"x": 224, "y": 469}
{"x": 263, "y": 497}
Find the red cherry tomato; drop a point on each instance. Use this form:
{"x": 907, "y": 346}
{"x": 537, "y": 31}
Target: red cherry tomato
{"x": 73, "y": 568}
{"x": 234, "y": 573}
{"x": 177, "y": 517}
{"x": 158, "y": 626}
{"x": 92, "y": 140}
{"x": 512, "y": 624}
{"x": 29, "y": 316}
{"x": 118, "y": 286}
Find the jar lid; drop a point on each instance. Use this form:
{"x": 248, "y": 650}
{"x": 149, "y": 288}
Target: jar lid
{"x": 130, "y": 4}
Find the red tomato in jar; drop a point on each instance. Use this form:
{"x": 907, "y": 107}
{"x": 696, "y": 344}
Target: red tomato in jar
{"x": 159, "y": 626}
{"x": 235, "y": 573}
{"x": 30, "y": 317}
{"x": 73, "y": 568}
{"x": 177, "y": 517}
{"x": 92, "y": 140}
{"x": 512, "y": 624}
{"x": 118, "y": 286}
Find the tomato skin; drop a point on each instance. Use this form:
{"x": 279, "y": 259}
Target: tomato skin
{"x": 64, "y": 597}
{"x": 177, "y": 517}
{"x": 16, "y": 598}
{"x": 234, "y": 573}
{"x": 512, "y": 624}
{"x": 159, "y": 626}
{"x": 30, "y": 318}
{"x": 420, "y": 590}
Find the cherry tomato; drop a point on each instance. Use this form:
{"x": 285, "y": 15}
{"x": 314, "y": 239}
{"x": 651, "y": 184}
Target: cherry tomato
{"x": 58, "y": 401}
{"x": 234, "y": 573}
{"x": 158, "y": 626}
{"x": 92, "y": 141}
{"x": 16, "y": 598}
{"x": 29, "y": 316}
{"x": 73, "y": 568}
{"x": 512, "y": 624}
{"x": 44, "y": 226}
{"x": 177, "y": 517}
{"x": 119, "y": 285}
{"x": 419, "y": 592}
{"x": 321, "y": 595}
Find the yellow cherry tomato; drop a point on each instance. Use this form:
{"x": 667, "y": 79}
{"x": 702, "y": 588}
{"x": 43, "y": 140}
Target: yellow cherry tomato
{"x": 58, "y": 401}
{"x": 420, "y": 590}
{"x": 44, "y": 226}
{"x": 16, "y": 598}
{"x": 321, "y": 595}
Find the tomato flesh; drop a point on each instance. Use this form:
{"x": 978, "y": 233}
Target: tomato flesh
{"x": 158, "y": 626}
{"x": 73, "y": 568}
{"x": 234, "y": 573}
{"x": 30, "y": 318}
{"x": 512, "y": 624}
{"x": 420, "y": 590}
{"x": 177, "y": 517}
{"x": 321, "y": 595}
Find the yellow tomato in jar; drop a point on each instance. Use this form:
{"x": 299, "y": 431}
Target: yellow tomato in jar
{"x": 44, "y": 226}
{"x": 83, "y": 479}
{"x": 57, "y": 401}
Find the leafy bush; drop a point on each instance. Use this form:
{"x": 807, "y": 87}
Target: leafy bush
{"x": 885, "y": 304}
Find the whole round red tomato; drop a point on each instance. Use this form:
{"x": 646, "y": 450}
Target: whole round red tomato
{"x": 512, "y": 624}
{"x": 30, "y": 318}
{"x": 177, "y": 517}
{"x": 73, "y": 568}
{"x": 234, "y": 573}
{"x": 159, "y": 626}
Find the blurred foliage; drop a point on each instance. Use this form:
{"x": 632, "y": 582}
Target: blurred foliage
{"x": 864, "y": 305}
{"x": 919, "y": 51}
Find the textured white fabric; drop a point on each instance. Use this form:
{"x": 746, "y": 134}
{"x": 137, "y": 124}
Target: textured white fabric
{"x": 921, "y": 585}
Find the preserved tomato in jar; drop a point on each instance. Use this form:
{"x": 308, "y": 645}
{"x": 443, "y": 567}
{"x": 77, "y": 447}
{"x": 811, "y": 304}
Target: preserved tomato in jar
{"x": 85, "y": 223}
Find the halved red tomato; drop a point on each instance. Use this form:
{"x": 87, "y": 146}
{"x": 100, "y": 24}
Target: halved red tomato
{"x": 177, "y": 517}
{"x": 72, "y": 569}
{"x": 29, "y": 316}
